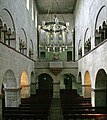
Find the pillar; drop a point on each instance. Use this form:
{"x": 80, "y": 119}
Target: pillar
{"x": 33, "y": 88}
{"x": 79, "y": 88}
{"x": 56, "y": 89}
{"x": 86, "y": 91}
{"x": 12, "y": 98}
{"x": 93, "y": 97}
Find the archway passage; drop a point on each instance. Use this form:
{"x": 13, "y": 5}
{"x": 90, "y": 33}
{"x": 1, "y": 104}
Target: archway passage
{"x": 45, "y": 82}
{"x": 101, "y": 88}
{"x": 9, "y": 84}
{"x": 87, "y": 85}
{"x": 69, "y": 81}
{"x": 9, "y": 80}
{"x": 24, "y": 85}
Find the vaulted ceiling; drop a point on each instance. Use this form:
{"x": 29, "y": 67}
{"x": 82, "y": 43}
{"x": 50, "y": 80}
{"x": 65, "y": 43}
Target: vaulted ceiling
{"x": 55, "y": 6}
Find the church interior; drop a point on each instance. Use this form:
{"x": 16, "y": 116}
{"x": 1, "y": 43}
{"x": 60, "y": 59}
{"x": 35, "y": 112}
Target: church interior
{"x": 53, "y": 61}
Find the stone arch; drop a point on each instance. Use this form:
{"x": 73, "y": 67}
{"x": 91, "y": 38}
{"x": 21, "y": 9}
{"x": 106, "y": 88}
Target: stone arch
{"x": 79, "y": 82}
{"x": 9, "y": 80}
{"x": 24, "y": 83}
{"x": 10, "y": 87}
{"x": 87, "y": 41}
{"x": 31, "y": 49}
{"x": 23, "y": 42}
{"x": 80, "y": 49}
{"x": 87, "y": 85}
{"x": 45, "y": 82}
{"x": 69, "y": 81}
{"x": 101, "y": 88}
{"x": 97, "y": 21}
{"x": 25, "y": 36}
{"x": 12, "y": 41}
{"x": 101, "y": 16}
{"x": 9, "y": 13}
{"x": 7, "y": 36}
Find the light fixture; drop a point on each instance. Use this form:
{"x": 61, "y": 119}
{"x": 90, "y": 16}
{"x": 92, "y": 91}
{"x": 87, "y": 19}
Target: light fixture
{"x": 55, "y": 32}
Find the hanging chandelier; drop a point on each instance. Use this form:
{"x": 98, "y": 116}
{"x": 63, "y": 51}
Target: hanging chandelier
{"x": 55, "y": 32}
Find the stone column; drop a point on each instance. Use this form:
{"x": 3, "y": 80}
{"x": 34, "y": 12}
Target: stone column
{"x": 1, "y": 96}
{"x": 79, "y": 88}
{"x": 11, "y": 97}
{"x": 33, "y": 88}
{"x": 18, "y": 96}
{"x": 86, "y": 91}
{"x": 56, "y": 89}
{"x": 93, "y": 97}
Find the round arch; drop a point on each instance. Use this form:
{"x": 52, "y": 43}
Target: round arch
{"x": 101, "y": 88}
{"x": 9, "y": 80}
{"x": 23, "y": 42}
{"x": 9, "y": 13}
{"x": 87, "y": 41}
{"x": 24, "y": 83}
{"x": 10, "y": 86}
{"x": 87, "y": 85}
{"x": 7, "y": 19}
{"x": 101, "y": 16}
{"x": 80, "y": 49}
{"x": 97, "y": 22}
{"x": 31, "y": 49}
{"x": 45, "y": 82}
{"x": 68, "y": 82}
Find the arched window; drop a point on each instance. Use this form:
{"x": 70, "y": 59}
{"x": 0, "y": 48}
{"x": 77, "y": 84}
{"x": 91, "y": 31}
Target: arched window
{"x": 87, "y": 45}
{"x": 9, "y": 38}
{"x": 23, "y": 42}
{"x": 100, "y": 26}
{"x": 101, "y": 33}
{"x": 87, "y": 41}
{"x": 31, "y": 49}
{"x": 80, "y": 49}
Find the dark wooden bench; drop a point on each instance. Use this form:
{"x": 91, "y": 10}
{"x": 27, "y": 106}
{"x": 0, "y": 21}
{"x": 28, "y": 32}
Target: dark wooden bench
{"x": 34, "y": 108}
{"x": 85, "y": 116}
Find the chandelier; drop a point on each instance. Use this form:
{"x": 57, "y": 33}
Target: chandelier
{"x": 55, "y": 33}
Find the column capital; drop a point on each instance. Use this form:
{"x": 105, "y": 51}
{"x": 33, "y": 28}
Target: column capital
{"x": 12, "y": 89}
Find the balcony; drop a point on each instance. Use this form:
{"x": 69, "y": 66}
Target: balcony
{"x": 56, "y": 64}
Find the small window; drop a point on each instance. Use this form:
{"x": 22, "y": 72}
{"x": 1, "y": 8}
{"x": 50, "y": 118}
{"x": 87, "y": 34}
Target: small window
{"x": 42, "y": 55}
